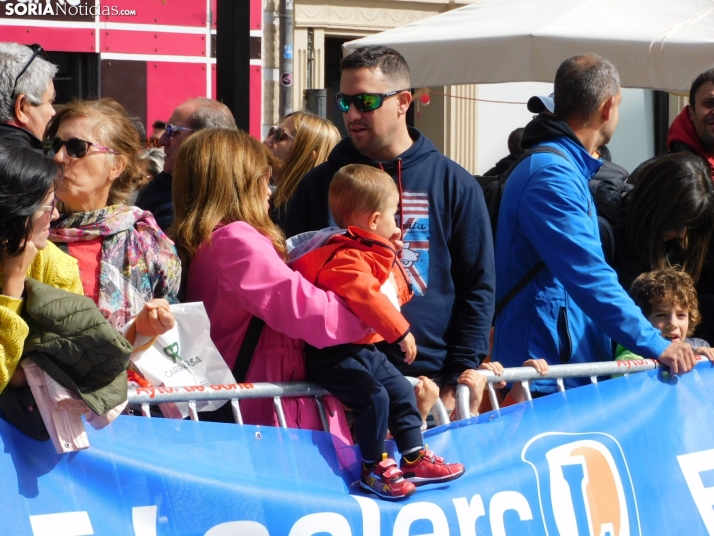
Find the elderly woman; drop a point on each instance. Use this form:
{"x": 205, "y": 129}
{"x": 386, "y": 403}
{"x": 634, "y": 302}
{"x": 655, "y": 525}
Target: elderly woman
{"x": 151, "y": 162}
{"x": 234, "y": 256}
{"x": 126, "y": 262}
{"x": 299, "y": 142}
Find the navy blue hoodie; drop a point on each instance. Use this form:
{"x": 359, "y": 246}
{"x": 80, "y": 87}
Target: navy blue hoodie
{"x": 448, "y": 252}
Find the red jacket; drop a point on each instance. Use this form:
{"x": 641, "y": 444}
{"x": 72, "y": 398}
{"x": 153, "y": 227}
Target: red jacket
{"x": 682, "y": 130}
{"x": 354, "y": 265}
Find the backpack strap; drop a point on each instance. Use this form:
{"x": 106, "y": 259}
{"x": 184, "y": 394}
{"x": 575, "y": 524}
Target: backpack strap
{"x": 535, "y": 150}
{"x": 247, "y": 349}
{"x": 537, "y": 267}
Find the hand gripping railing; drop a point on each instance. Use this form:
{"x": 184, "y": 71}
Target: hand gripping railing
{"x": 555, "y": 372}
{"x": 238, "y": 391}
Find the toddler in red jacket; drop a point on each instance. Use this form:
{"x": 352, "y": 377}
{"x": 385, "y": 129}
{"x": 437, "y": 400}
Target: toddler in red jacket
{"x": 361, "y": 266}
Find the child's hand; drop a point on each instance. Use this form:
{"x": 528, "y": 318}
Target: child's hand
{"x": 541, "y": 365}
{"x": 706, "y": 352}
{"x": 497, "y": 369}
{"x": 427, "y": 393}
{"x": 493, "y": 366}
{"x": 476, "y": 383}
{"x": 408, "y": 346}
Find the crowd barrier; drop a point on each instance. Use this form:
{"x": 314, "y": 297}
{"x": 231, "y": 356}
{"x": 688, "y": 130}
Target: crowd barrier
{"x": 236, "y": 392}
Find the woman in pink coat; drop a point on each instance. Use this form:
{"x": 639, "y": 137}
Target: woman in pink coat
{"x": 234, "y": 258}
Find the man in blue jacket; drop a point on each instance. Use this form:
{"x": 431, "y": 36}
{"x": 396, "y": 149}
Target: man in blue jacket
{"x": 448, "y": 250}
{"x": 573, "y": 306}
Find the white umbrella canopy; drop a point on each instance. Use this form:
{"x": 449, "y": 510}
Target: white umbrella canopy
{"x": 655, "y": 44}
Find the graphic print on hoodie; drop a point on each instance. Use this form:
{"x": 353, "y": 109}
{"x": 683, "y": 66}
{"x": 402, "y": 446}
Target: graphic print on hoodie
{"x": 415, "y": 254}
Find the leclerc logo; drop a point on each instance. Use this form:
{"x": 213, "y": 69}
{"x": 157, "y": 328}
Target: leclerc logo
{"x": 584, "y": 485}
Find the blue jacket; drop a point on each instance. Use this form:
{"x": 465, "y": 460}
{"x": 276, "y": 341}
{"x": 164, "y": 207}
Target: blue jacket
{"x": 573, "y": 307}
{"x": 448, "y": 252}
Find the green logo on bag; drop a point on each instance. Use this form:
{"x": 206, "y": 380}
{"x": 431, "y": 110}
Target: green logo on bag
{"x": 172, "y": 351}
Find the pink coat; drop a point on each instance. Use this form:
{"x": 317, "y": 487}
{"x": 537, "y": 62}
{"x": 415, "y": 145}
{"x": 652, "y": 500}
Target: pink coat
{"x": 239, "y": 275}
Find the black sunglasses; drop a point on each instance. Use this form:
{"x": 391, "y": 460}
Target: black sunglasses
{"x": 37, "y": 50}
{"x": 279, "y": 134}
{"x": 364, "y": 102}
{"x": 76, "y": 148}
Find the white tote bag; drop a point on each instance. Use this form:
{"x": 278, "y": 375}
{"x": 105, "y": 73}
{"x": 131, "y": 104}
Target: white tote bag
{"x": 184, "y": 355}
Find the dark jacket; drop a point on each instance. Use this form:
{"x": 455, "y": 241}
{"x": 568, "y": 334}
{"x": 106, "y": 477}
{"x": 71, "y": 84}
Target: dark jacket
{"x": 503, "y": 165}
{"x": 72, "y": 342}
{"x": 156, "y": 197}
{"x": 19, "y": 136}
{"x": 448, "y": 252}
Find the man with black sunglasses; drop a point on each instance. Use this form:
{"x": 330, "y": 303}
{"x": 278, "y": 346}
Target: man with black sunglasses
{"x": 188, "y": 118}
{"x": 26, "y": 94}
{"x": 448, "y": 250}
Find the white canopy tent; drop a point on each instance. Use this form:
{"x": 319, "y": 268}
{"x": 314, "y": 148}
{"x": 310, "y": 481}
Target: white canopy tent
{"x": 655, "y": 44}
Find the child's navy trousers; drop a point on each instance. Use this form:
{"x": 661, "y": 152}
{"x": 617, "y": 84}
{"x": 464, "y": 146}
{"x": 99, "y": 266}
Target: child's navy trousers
{"x": 381, "y": 398}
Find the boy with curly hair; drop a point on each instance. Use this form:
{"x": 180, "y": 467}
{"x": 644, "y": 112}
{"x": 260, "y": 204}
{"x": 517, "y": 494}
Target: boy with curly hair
{"x": 669, "y": 301}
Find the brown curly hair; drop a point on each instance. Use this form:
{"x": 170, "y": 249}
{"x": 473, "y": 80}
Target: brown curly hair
{"x": 669, "y": 285}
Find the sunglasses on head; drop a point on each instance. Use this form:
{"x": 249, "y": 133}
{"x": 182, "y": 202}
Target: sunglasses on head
{"x": 364, "y": 102}
{"x": 172, "y": 130}
{"x": 76, "y": 148}
{"x": 37, "y": 50}
{"x": 279, "y": 134}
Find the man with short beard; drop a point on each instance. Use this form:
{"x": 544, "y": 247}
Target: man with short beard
{"x": 693, "y": 129}
{"x": 442, "y": 215}
{"x": 567, "y": 305}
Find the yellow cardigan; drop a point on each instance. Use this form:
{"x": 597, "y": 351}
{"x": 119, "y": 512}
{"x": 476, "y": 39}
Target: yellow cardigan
{"x": 51, "y": 267}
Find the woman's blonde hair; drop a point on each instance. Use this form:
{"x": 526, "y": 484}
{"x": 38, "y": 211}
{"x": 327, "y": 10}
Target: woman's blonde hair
{"x": 220, "y": 177}
{"x": 115, "y": 129}
{"x": 313, "y": 134}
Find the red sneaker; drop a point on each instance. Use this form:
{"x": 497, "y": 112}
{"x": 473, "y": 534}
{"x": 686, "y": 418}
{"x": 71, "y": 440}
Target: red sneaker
{"x": 385, "y": 480}
{"x": 429, "y": 468}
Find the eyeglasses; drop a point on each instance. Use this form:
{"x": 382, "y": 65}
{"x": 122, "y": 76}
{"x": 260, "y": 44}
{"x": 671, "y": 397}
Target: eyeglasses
{"x": 172, "y": 130}
{"x": 48, "y": 208}
{"x": 364, "y": 102}
{"x": 76, "y": 148}
{"x": 37, "y": 50}
{"x": 279, "y": 134}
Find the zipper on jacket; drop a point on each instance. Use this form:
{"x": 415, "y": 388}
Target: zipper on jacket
{"x": 565, "y": 343}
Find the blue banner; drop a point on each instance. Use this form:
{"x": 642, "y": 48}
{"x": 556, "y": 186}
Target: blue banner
{"x": 633, "y": 456}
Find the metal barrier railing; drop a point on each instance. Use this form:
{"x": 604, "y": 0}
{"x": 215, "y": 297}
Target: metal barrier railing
{"x": 145, "y": 396}
{"x": 236, "y": 392}
{"x": 555, "y": 372}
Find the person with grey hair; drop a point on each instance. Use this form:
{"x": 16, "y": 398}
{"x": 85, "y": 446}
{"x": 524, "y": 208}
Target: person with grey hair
{"x": 557, "y": 298}
{"x": 26, "y": 94}
{"x": 151, "y": 162}
{"x": 188, "y": 118}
